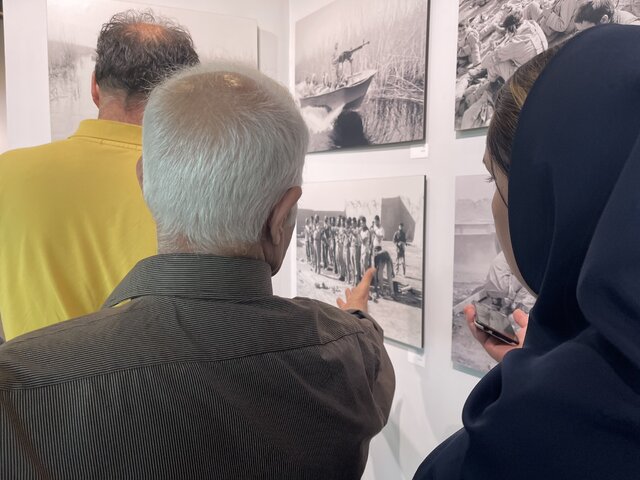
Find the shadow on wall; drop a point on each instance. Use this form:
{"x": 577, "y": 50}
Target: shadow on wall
{"x": 389, "y": 440}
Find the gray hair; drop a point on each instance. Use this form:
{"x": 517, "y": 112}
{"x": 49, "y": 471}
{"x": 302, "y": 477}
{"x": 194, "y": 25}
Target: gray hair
{"x": 222, "y": 143}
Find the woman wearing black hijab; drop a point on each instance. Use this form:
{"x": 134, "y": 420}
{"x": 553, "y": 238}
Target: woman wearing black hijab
{"x": 567, "y": 405}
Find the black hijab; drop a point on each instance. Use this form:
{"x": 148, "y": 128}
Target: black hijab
{"x": 567, "y": 405}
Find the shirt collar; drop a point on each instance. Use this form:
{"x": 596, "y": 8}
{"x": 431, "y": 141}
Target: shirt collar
{"x": 195, "y": 276}
{"x": 109, "y": 130}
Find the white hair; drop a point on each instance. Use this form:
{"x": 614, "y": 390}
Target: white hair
{"x": 221, "y": 144}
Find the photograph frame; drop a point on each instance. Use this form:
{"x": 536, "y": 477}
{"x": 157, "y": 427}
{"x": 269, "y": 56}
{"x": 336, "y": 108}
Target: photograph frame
{"x": 410, "y": 292}
{"x": 496, "y": 37}
{"x": 358, "y": 126}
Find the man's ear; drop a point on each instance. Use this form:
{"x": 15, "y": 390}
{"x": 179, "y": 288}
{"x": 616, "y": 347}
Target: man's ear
{"x": 604, "y": 19}
{"x": 139, "y": 172}
{"x": 280, "y": 214}
{"x": 95, "y": 90}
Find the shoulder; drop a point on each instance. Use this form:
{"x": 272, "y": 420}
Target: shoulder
{"x": 43, "y": 160}
{"x": 597, "y": 414}
{"x": 68, "y": 350}
{"x": 15, "y": 158}
{"x": 623, "y": 17}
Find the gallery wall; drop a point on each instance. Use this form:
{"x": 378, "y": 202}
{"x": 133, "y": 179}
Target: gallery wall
{"x": 3, "y": 91}
{"x": 430, "y": 393}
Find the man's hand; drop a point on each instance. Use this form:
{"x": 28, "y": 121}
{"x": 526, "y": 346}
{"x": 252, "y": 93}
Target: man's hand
{"x": 358, "y": 297}
{"x": 494, "y": 347}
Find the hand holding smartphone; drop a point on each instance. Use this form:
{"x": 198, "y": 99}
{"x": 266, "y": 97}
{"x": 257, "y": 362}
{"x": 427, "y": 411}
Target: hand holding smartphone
{"x": 495, "y": 323}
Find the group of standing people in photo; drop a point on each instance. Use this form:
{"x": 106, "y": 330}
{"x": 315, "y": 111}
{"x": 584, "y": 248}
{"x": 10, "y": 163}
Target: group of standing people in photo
{"x": 493, "y": 44}
{"x": 348, "y": 247}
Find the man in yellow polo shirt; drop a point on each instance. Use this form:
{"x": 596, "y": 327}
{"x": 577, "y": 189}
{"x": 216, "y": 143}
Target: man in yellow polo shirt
{"x": 72, "y": 218}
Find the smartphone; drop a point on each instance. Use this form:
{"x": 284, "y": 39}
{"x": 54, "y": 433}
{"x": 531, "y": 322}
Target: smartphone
{"x": 495, "y": 323}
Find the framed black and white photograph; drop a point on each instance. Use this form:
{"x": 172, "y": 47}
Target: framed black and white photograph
{"x": 495, "y": 37}
{"x": 343, "y": 228}
{"x": 360, "y": 72}
{"x": 481, "y": 273}
{"x": 73, "y": 28}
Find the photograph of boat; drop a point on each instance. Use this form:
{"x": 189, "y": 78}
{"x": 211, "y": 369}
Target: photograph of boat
{"x": 361, "y": 73}
{"x": 348, "y": 96}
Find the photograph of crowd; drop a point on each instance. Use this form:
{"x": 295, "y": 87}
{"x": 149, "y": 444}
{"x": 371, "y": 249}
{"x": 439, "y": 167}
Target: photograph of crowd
{"x": 343, "y": 228}
{"x": 360, "y": 72}
{"x": 73, "y": 27}
{"x": 481, "y": 273}
{"x": 495, "y": 37}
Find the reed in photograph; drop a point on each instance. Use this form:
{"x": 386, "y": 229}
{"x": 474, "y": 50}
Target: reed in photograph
{"x": 360, "y": 72}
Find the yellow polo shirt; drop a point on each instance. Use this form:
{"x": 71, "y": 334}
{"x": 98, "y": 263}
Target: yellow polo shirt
{"x": 72, "y": 224}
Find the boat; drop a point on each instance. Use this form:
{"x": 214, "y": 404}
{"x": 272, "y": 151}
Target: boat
{"x": 349, "y": 96}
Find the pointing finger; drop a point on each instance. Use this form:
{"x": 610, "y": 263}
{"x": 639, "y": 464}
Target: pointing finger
{"x": 367, "y": 278}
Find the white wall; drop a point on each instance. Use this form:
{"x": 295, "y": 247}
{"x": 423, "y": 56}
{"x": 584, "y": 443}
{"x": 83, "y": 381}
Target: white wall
{"x": 25, "y": 28}
{"x": 273, "y": 20}
{"x": 430, "y": 393}
{"x": 3, "y": 96}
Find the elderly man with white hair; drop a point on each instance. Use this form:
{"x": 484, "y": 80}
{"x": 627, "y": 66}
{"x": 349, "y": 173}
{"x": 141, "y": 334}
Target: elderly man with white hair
{"x": 193, "y": 368}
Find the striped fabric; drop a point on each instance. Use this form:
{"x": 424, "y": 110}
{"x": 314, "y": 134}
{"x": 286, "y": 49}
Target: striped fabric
{"x": 204, "y": 373}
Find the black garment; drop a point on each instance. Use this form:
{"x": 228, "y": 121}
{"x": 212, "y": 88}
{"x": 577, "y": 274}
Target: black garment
{"x": 567, "y": 405}
{"x": 400, "y": 239}
{"x": 203, "y": 374}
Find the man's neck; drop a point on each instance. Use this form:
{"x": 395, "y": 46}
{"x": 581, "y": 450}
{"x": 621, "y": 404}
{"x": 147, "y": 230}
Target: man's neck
{"x": 122, "y": 116}
{"x": 181, "y": 245}
{"x": 114, "y": 108}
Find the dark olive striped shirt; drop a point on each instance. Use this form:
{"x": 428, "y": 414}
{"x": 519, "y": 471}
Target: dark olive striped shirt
{"x": 203, "y": 374}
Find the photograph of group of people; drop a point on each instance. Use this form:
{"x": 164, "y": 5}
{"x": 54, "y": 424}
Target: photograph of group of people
{"x": 495, "y": 37}
{"x": 344, "y": 228}
{"x": 347, "y": 247}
